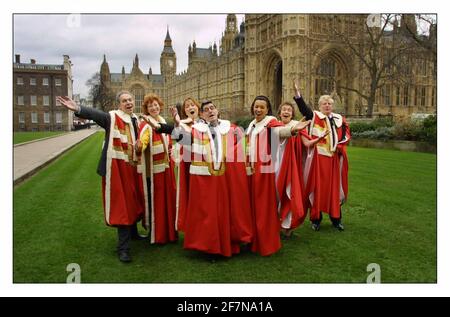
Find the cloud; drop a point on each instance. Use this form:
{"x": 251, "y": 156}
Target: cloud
{"x": 120, "y": 36}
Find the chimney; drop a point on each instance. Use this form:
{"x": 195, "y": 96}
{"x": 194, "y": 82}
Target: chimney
{"x": 32, "y": 61}
{"x": 17, "y": 58}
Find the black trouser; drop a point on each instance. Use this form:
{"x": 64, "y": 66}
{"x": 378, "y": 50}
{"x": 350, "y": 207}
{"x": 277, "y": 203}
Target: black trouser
{"x": 335, "y": 221}
{"x": 125, "y": 233}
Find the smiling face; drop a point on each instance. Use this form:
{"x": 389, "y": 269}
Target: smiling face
{"x": 126, "y": 103}
{"x": 260, "y": 110}
{"x": 154, "y": 109}
{"x": 191, "y": 109}
{"x": 286, "y": 114}
{"x": 210, "y": 113}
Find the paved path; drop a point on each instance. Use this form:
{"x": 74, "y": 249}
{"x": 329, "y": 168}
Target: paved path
{"x": 32, "y": 156}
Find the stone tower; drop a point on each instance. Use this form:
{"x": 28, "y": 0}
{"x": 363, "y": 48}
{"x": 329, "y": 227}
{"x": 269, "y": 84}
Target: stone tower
{"x": 168, "y": 60}
{"x": 230, "y": 34}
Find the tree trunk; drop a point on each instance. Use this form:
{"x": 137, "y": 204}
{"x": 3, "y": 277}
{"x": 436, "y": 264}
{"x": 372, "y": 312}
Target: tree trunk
{"x": 370, "y": 103}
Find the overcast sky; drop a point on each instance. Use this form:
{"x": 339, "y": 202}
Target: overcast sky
{"x": 86, "y": 38}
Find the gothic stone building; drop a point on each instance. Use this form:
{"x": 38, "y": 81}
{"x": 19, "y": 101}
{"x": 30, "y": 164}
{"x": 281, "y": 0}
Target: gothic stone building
{"x": 35, "y": 89}
{"x": 266, "y": 54}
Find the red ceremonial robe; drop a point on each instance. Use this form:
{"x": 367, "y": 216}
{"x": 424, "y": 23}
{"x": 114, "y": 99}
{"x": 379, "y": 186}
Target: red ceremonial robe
{"x": 182, "y": 158}
{"x": 263, "y": 190}
{"x": 326, "y": 166}
{"x": 218, "y": 217}
{"x": 159, "y": 172}
{"x": 290, "y": 181}
{"x": 122, "y": 187}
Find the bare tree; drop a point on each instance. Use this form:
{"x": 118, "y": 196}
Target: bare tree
{"x": 425, "y": 36}
{"x": 382, "y": 52}
{"x": 101, "y": 96}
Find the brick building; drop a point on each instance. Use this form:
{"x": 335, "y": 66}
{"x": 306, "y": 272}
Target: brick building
{"x": 35, "y": 89}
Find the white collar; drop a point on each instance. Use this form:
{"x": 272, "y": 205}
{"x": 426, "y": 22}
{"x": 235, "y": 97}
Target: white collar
{"x": 223, "y": 126}
{"x": 124, "y": 116}
{"x": 155, "y": 121}
{"x": 337, "y": 117}
{"x": 259, "y": 126}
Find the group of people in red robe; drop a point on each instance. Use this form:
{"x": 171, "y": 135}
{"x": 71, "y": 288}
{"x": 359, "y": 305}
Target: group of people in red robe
{"x": 223, "y": 186}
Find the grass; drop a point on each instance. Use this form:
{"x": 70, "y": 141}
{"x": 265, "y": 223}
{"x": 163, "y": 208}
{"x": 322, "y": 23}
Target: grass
{"x": 20, "y": 137}
{"x": 390, "y": 219}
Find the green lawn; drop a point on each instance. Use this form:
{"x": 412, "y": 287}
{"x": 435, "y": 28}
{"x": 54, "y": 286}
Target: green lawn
{"x": 20, "y": 137}
{"x": 390, "y": 219}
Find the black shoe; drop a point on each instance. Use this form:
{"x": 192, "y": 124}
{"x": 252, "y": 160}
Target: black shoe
{"x": 315, "y": 226}
{"x": 138, "y": 237}
{"x": 339, "y": 226}
{"x": 124, "y": 256}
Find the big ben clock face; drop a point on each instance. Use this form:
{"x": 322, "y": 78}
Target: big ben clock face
{"x": 170, "y": 62}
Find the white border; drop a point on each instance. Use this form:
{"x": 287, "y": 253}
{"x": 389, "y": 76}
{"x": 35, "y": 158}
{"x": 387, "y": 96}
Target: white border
{"x": 169, "y": 290}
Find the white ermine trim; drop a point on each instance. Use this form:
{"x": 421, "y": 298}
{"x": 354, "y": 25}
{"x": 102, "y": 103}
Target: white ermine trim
{"x": 157, "y": 149}
{"x": 198, "y": 149}
{"x": 199, "y": 170}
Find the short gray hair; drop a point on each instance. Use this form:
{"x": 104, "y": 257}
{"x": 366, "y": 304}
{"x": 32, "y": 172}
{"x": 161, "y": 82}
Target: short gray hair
{"x": 122, "y": 92}
{"x": 326, "y": 98}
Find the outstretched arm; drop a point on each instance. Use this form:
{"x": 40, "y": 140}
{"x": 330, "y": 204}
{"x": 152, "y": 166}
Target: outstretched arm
{"x": 304, "y": 109}
{"x": 286, "y": 132}
{"x": 101, "y": 118}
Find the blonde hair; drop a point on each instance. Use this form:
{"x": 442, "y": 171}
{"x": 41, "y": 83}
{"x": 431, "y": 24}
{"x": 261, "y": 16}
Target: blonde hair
{"x": 325, "y": 98}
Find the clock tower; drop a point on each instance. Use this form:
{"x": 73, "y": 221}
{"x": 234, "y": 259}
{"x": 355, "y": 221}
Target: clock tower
{"x": 168, "y": 60}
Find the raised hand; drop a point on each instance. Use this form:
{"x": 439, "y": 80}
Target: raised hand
{"x": 176, "y": 117}
{"x": 68, "y": 103}
{"x": 297, "y": 91}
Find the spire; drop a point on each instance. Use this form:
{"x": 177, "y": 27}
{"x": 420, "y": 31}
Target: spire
{"x": 123, "y": 70}
{"x": 168, "y": 35}
{"x": 136, "y": 60}
{"x": 168, "y": 40}
{"x": 104, "y": 67}
{"x": 104, "y": 70}
{"x": 168, "y": 43}
{"x": 150, "y": 72}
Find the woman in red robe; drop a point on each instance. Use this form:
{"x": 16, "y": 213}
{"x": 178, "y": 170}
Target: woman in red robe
{"x": 263, "y": 138}
{"x": 161, "y": 213}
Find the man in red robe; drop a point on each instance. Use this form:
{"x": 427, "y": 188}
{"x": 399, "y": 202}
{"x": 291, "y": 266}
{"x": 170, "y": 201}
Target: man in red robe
{"x": 326, "y": 168}
{"x": 120, "y": 168}
{"x": 219, "y": 217}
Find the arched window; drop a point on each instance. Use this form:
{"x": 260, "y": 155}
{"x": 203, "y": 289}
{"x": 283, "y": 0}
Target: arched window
{"x": 325, "y": 75}
{"x": 138, "y": 93}
{"x": 328, "y": 77}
